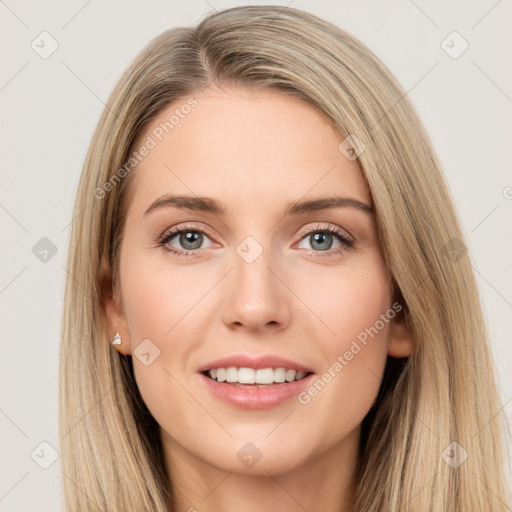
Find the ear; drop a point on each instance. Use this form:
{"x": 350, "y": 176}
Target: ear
{"x": 400, "y": 338}
{"x": 112, "y": 310}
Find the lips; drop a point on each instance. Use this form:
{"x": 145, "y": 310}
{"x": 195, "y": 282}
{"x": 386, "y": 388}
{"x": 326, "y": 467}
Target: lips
{"x": 255, "y": 383}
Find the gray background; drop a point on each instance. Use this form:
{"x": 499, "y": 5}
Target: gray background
{"x": 50, "y": 106}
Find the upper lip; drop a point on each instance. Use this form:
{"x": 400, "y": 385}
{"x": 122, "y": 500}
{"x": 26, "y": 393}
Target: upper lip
{"x": 263, "y": 361}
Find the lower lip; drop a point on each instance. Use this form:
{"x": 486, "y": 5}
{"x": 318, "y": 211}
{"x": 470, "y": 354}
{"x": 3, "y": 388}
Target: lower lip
{"x": 256, "y": 397}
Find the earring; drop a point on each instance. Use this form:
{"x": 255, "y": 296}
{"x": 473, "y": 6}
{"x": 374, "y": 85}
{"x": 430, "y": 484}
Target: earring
{"x": 117, "y": 339}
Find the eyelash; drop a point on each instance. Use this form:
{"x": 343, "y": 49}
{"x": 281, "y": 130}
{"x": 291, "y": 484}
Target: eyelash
{"x": 342, "y": 237}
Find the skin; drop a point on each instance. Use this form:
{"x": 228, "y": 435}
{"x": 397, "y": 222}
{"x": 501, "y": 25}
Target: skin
{"x": 254, "y": 151}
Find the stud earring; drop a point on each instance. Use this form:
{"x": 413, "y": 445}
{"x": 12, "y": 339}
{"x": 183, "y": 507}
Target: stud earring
{"x": 117, "y": 339}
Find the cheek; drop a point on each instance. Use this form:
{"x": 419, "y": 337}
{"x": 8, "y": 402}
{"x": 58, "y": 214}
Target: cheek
{"x": 355, "y": 305}
{"x": 157, "y": 297}
{"x": 347, "y": 299}
{"x": 159, "y": 306}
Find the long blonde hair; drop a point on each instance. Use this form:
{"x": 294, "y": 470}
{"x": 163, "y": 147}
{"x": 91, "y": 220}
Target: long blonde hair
{"x": 442, "y": 394}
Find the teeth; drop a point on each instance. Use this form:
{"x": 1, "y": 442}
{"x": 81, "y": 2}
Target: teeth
{"x": 252, "y": 376}
{"x": 290, "y": 375}
{"x": 231, "y": 374}
{"x": 279, "y": 375}
{"x": 247, "y": 376}
{"x": 264, "y": 376}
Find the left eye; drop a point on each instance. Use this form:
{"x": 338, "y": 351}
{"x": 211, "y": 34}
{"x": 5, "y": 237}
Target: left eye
{"x": 322, "y": 240}
{"x": 190, "y": 240}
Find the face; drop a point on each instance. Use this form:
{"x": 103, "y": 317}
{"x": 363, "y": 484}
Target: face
{"x": 242, "y": 279}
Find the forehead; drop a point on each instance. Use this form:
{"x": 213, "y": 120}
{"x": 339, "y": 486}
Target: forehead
{"x": 244, "y": 146}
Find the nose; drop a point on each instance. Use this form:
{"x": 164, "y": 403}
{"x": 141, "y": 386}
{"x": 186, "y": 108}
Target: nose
{"x": 257, "y": 298}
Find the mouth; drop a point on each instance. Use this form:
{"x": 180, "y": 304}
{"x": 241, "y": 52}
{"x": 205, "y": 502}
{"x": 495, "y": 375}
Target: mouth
{"x": 272, "y": 387}
{"x": 246, "y": 377}
{"x": 255, "y": 382}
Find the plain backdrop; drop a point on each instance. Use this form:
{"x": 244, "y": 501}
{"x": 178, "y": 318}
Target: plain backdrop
{"x": 50, "y": 105}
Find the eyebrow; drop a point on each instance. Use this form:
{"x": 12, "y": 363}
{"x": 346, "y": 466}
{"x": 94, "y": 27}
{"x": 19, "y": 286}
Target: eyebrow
{"x": 207, "y": 204}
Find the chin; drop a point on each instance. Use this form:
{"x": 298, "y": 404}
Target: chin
{"x": 257, "y": 456}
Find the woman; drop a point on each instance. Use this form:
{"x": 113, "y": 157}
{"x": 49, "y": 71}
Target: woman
{"x": 214, "y": 355}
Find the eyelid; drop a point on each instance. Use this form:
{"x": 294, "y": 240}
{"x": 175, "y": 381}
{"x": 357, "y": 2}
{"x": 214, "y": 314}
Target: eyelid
{"x": 324, "y": 226}
{"x": 178, "y": 228}
{"x": 306, "y": 230}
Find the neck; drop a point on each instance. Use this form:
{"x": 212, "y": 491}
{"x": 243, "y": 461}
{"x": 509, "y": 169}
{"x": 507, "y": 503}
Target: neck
{"x": 324, "y": 482}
